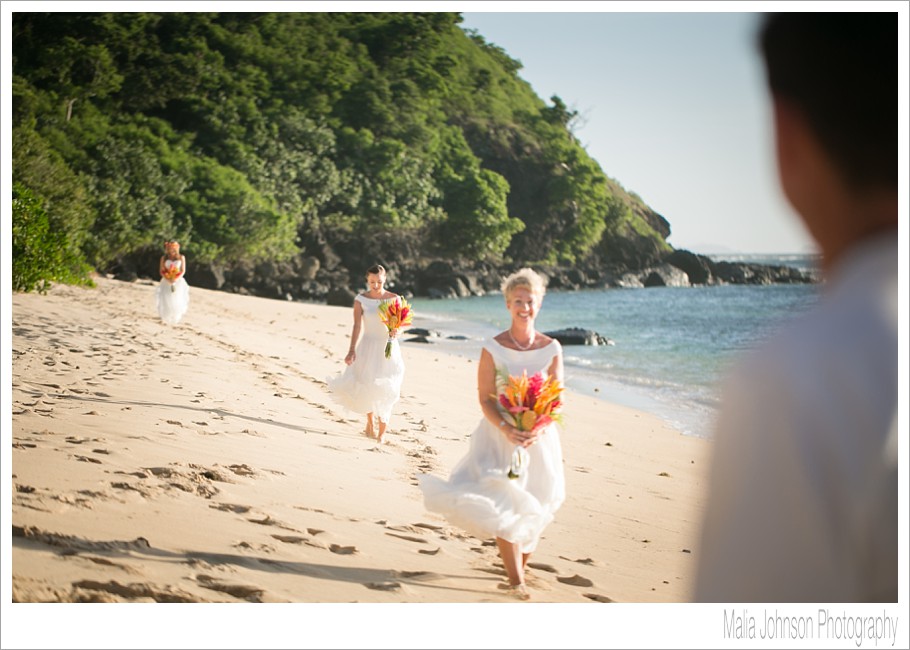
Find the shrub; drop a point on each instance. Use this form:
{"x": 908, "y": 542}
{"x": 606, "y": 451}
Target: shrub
{"x": 41, "y": 253}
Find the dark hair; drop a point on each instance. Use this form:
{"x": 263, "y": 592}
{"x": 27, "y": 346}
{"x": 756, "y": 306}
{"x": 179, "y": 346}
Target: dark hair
{"x": 377, "y": 269}
{"x": 840, "y": 69}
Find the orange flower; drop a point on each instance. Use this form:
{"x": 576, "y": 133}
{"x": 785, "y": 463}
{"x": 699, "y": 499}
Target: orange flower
{"x": 531, "y": 401}
{"x": 395, "y": 313}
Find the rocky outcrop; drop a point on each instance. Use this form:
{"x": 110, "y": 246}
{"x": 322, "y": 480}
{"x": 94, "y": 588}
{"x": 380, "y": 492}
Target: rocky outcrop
{"x": 578, "y": 336}
{"x": 307, "y": 278}
{"x": 666, "y": 275}
{"x": 698, "y": 268}
{"x": 702, "y": 270}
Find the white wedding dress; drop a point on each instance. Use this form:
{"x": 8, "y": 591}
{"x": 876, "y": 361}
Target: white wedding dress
{"x": 479, "y": 497}
{"x": 372, "y": 384}
{"x": 173, "y": 299}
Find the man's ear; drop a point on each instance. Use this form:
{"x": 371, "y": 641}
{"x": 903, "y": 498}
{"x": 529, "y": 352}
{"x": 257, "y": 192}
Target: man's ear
{"x": 806, "y": 174}
{"x": 788, "y": 123}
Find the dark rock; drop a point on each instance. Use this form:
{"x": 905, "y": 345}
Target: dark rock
{"x": 578, "y": 336}
{"x": 206, "y": 276}
{"x": 419, "y": 331}
{"x": 340, "y": 297}
{"x": 309, "y": 266}
{"x": 622, "y": 281}
{"x": 697, "y": 267}
{"x": 126, "y": 275}
{"x": 665, "y": 275}
{"x": 440, "y": 280}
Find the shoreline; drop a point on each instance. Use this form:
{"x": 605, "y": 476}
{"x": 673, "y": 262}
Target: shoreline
{"x": 461, "y": 336}
{"x": 216, "y": 443}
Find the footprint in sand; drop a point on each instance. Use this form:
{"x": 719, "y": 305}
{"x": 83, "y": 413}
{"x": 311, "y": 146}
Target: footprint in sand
{"x": 420, "y": 576}
{"x": 246, "y": 546}
{"x": 242, "y": 470}
{"x": 408, "y": 538}
{"x": 244, "y": 592}
{"x": 576, "y": 580}
{"x": 404, "y": 529}
{"x": 426, "y": 551}
{"x": 343, "y": 550}
{"x": 383, "y": 586}
{"x": 230, "y": 507}
{"x": 599, "y": 598}
{"x": 543, "y": 567}
{"x": 268, "y": 521}
{"x": 290, "y": 539}
{"x": 588, "y": 561}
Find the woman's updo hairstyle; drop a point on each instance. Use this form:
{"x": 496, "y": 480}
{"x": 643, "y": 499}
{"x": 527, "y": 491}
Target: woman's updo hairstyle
{"x": 527, "y": 278}
{"x": 376, "y": 269}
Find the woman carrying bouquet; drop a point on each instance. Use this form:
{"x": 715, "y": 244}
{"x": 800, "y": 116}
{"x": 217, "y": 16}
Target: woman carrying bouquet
{"x": 173, "y": 294}
{"x": 371, "y": 383}
{"x": 486, "y": 494}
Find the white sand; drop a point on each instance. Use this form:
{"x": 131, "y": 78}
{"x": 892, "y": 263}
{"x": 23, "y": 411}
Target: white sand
{"x": 206, "y": 463}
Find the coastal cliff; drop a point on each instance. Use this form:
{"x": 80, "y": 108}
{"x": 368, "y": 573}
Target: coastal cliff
{"x": 289, "y": 151}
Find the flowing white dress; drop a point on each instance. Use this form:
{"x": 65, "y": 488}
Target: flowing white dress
{"x": 372, "y": 384}
{"x": 173, "y": 299}
{"x": 479, "y": 497}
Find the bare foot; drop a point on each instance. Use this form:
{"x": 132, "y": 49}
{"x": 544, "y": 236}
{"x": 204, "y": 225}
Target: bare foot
{"x": 369, "y": 429}
{"x": 519, "y": 591}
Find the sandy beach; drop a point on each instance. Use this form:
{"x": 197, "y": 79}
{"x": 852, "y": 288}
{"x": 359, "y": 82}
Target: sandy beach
{"x": 207, "y": 463}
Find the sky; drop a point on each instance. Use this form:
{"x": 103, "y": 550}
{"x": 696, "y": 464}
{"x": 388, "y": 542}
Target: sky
{"x": 673, "y": 106}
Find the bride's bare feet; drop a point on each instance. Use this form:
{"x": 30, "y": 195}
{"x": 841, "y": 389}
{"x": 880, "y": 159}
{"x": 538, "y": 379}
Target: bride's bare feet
{"x": 382, "y": 426}
{"x": 370, "y": 433}
{"x": 519, "y": 591}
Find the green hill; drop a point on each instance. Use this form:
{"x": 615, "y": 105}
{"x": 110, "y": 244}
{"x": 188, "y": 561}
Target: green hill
{"x": 351, "y": 137}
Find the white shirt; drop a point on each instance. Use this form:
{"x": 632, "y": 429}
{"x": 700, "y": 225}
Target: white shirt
{"x": 802, "y": 503}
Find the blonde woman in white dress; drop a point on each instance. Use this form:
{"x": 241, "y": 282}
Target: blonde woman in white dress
{"x": 479, "y": 496}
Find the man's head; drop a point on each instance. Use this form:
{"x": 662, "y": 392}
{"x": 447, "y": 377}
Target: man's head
{"x": 840, "y": 71}
{"x": 833, "y": 80}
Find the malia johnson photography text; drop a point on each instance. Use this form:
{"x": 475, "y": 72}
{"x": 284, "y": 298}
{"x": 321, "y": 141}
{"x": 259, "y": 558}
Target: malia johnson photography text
{"x": 827, "y": 625}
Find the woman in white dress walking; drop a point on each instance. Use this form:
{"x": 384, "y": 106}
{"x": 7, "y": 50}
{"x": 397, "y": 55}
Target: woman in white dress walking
{"x": 479, "y": 495}
{"x": 371, "y": 383}
{"x": 173, "y": 293}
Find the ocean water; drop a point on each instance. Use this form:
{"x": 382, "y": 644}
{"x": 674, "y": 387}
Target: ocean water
{"x": 671, "y": 346}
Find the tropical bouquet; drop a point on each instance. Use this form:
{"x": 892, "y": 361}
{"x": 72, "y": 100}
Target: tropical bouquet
{"x": 530, "y": 402}
{"x": 394, "y": 313}
{"x": 171, "y": 273}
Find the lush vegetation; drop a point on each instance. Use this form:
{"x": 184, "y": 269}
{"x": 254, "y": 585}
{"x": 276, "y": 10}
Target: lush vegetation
{"x": 253, "y": 136}
{"x": 42, "y": 253}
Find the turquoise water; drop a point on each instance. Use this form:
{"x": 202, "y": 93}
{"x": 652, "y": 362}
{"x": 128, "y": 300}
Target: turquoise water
{"x": 671, "y": 345}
